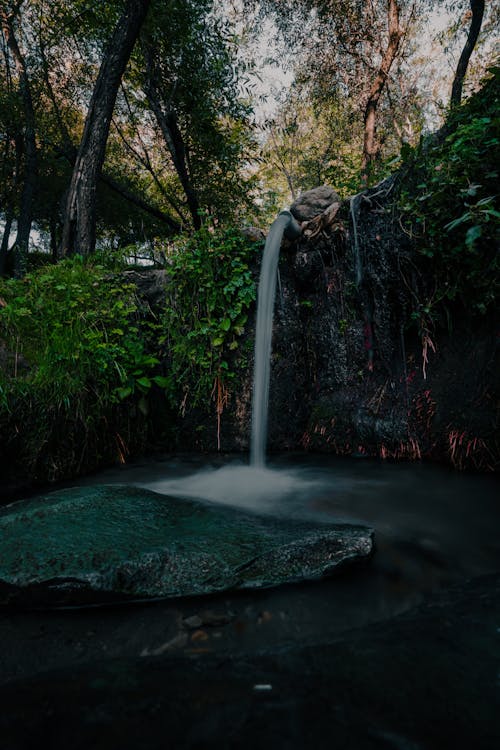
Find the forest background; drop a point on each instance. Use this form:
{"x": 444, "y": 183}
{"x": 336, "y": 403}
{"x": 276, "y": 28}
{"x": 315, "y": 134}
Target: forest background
{"x": 145, "y": 132}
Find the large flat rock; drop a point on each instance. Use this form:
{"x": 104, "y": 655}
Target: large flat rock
{"x": 107, "y": 543}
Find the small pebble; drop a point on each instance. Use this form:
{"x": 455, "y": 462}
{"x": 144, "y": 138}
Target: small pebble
{"x": 199, "y": 635}
{"x": 264, "y": 616}
{"x": 194, "y": 621}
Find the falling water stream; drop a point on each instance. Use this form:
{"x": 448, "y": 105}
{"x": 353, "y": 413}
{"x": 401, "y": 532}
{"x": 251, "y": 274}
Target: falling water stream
{"x": 244, "y": 485}
{"x": 285, "y": 223}
{"x": 238, "y": 484}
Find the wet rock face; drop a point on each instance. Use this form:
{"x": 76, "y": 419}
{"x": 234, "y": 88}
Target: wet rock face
{"x": 150, "y": 284}
{"x": 102, "y": 544}
{"x": 313, "y": 202}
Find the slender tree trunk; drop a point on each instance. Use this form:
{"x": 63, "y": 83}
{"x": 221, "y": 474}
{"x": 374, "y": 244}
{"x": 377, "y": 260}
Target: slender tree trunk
{"x": 79, "y": 231}
{"x": 9, "y": 214}
{"x": 4, "y": 247}
{"x": 25, "y": 217}
{"x": 54, "y": 244}
{"x": 477, "y": 8}
{"x": 370, "y": 143}
{"x": 167, "y": 122}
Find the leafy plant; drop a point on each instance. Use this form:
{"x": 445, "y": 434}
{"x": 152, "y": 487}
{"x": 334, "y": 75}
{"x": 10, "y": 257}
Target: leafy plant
{"x": 74, "y": 348}
{"x": 451, "y": 206}
{"x": 210, "y": 291}
{"x": 75, "y": 327}
{"x": 83, "y": 361}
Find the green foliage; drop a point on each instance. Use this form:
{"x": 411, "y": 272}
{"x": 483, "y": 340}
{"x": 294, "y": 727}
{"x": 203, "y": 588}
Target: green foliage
{"x": 73, "y": 325}
{"x": 451, "y": 206}
{"x": 86, "y": 365}
{"x": 210, "y": 291}
{"x": 190, "y": 51}
{"x": 77, "y": 369}
{"x": 306, "y": 146}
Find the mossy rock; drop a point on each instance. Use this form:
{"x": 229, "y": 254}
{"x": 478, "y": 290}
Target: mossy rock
{"x": 102, "y": 544}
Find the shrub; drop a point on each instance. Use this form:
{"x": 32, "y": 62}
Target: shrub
{"x": 209, "y": 294}
{"x": 74, "y": 348}
{"x": 450, "y": 205}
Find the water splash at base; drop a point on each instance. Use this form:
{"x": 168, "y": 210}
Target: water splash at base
{"x": 254, "y": 488}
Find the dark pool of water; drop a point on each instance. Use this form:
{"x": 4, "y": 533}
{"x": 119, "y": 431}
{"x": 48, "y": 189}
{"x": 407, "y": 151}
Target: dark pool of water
{"x": 449, "y": 517}
{"x": 433, "y": 528}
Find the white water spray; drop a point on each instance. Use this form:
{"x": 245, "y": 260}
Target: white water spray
{"x": 284, "y": 224}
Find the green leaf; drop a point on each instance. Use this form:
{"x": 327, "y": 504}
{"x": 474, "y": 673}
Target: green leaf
{"x": 472, "y": 235}
{"x": 161, "y": 381}
{"x": 144, "y": 382}
{"x": 123, "y": 392}
{"x": 486, "y": 200}
{"x": 456, "y": 222}
{"x": 225, "y": 324}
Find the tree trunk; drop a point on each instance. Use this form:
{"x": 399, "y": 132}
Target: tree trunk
{"x": 477, "y": 8}
{"x": 4, "y": 247}
{"x": 54, "y": 245}
{"x": 9, "y": 212}
{"x": 25, "y": 217}
{"x": 167, "y": 122}
{"x": 79, "y": 231}
{"x": 123, "y": 191}
{"x": 370, "y": 144}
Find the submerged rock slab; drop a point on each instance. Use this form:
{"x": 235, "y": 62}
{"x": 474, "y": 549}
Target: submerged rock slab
{"x": 108, "y": 543}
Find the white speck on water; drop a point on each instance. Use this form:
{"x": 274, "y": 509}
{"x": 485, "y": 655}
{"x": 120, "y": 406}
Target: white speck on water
{"x": 262, "y": 688}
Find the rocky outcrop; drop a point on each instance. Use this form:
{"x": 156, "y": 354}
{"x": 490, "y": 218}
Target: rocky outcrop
{"x": 103, "y": 544}
{"x": 313, "y": 202}
{"x": 378, "y": 382}
{"x": 353, "y": 373}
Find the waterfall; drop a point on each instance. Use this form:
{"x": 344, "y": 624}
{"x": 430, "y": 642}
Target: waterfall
{"x": 284, "y": 224}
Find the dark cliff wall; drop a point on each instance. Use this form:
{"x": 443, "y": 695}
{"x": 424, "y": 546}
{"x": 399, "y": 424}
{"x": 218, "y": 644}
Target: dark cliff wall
{"x": 351, "y": 371}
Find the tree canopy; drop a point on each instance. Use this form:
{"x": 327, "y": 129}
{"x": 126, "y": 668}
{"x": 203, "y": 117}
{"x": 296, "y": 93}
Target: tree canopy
{"x": 132, "y": 121}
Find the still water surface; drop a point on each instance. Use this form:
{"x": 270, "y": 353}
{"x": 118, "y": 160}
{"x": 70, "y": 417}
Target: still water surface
{"x": 433, "y": 528}
{"x": 447, "y": 518}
